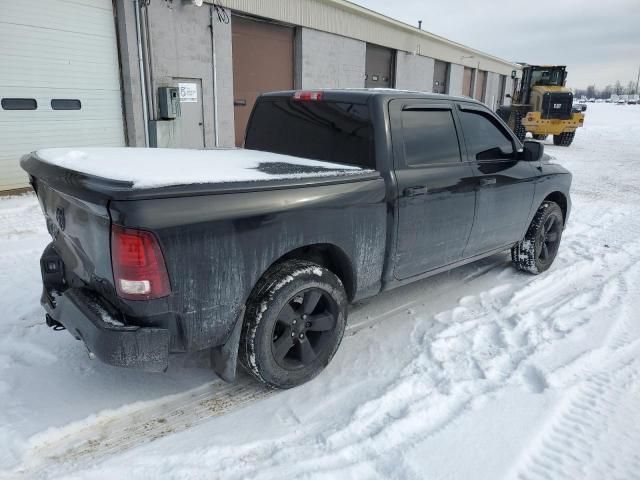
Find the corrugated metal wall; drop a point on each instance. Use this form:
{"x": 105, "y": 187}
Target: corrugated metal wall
{"x": 342, "y": 18}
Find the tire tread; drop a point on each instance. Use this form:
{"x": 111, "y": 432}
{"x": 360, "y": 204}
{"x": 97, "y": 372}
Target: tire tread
{"x": 523, "y": 254}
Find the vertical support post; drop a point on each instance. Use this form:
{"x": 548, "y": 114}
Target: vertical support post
{"x": 143, "y": 82}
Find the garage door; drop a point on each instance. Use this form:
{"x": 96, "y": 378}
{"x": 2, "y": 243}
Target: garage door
{"x": 59, "y": 79}
{"x": 262, "y": 62}
{"x": 379, "y": 67}
{"x": 440, "y": 73}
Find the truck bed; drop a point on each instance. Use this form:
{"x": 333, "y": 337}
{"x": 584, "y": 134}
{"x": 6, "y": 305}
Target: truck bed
{"x": 144, "y": 173}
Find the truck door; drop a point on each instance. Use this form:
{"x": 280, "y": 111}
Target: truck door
{"x": 436, "y": 197}
{"x": 505, "y": 185}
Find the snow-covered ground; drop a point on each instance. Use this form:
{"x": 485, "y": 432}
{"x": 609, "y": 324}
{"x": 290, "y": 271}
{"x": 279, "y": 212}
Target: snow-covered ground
{"x": 479, "y": 373}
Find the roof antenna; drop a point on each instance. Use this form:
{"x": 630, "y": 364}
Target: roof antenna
{"x": 419, "y": 24}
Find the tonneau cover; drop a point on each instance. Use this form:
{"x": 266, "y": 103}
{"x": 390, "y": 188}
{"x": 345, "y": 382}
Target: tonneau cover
{"x": 136, "y": 173}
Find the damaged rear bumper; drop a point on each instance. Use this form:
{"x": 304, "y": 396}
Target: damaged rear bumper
{"x": 109, "y": 340}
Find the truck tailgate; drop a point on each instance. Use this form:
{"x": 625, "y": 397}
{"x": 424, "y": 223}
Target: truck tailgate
{"x": 81, "y": 233}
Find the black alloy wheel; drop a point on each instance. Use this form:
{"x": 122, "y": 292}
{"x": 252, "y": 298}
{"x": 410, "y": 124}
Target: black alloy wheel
{"x": 548, "y": 243}
{"x": 303, "y": 328}
{"x": 294, "y": 323}
{"x": 538, "y": 249}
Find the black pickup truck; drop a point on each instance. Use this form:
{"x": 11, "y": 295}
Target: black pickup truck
{"x": 254, "y": 254}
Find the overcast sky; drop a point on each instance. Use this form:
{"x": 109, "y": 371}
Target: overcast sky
{"x": 599, "y": 41}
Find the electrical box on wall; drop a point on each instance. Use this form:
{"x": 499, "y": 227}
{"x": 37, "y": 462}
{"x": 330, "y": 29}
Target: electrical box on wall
{"x": 169, "y": 103}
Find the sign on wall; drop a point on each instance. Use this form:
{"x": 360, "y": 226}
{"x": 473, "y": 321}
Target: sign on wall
{"x": 188, "y": 92}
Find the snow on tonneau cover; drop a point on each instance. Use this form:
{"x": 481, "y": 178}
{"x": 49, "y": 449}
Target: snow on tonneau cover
{"x": 148, "y": 168}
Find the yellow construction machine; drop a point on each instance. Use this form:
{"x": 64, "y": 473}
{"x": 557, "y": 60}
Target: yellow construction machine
{"x": 543, "y": 105}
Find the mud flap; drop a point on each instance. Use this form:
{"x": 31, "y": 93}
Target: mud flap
{"x": 224, "y": 359}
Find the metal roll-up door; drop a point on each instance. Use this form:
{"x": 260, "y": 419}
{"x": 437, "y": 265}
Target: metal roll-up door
{"x": 59, "y": 79}
{"x": 379, "y": 66}
{"x": 262, "y": 62}
{"x": 440, "y": 73}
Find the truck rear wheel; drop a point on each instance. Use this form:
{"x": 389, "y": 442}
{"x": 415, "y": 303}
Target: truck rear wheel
{"x": 294, "y": 323}
{"x": 564, "y": 139}
{"x": 537, "y": 251}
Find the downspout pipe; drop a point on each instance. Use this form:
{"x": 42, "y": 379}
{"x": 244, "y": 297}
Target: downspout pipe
{"x": 215, "y": 79}
{"x": 143, "y": 81}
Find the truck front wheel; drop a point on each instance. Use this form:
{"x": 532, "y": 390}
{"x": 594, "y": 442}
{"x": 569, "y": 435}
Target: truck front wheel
{"x": 294, "y": 323}
{"x": 537, "y": 251}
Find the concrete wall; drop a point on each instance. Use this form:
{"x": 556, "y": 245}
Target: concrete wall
{"x": 508, "y": 90}
{"x": 180, "y": 46}
{"x": 324, "y": 60}
{"x": 177, "y": 44}
{"x": 492, "y": 90}
{"x": 347, "y": 19}
{"x": 130, "y": 72}
{"x": 456, "y": 78}
{"x": 414, "y": 72}
{"x": 224, "y": 77}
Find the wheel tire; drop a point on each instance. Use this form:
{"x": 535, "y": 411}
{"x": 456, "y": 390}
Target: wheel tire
{"x": 518, "y": 128}
{"x": 564, "y": 139}
{"x": 274, "y": 324}
{"x": 540, "y": 137}
{"x": 537, "y": 251}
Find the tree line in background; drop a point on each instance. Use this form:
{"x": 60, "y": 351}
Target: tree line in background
{"x": 618, "y": 89}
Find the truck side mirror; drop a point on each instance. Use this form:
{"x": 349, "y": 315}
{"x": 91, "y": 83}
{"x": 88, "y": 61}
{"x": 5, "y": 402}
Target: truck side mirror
{"x": 532, "y": 151}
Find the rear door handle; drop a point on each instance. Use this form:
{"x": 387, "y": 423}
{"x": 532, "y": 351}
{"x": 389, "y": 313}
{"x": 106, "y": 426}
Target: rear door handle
{"x": 487, "y": 181}
{"x": 414, "y": 191}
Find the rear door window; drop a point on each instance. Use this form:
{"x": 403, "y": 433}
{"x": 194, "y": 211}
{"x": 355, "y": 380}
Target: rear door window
{"x": 429, "y": 137}
{"x": 320, "y": 130}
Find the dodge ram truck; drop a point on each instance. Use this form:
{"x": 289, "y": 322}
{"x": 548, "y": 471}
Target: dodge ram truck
{"x": 254, "y": 254}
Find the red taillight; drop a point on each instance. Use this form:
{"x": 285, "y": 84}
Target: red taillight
{"x": 139, "y": 270}
{"x": 307, "y": 96}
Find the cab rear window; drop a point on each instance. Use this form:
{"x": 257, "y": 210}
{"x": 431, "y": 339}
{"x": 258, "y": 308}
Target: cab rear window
{"x": 320, "y": 130}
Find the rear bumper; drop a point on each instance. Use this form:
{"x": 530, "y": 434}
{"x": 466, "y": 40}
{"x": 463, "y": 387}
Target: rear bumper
{"x": 110, "y": 341}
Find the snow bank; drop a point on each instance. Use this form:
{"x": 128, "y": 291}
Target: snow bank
{"x": 160, "y": 167}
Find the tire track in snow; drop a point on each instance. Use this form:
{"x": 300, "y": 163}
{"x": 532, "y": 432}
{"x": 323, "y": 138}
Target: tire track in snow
{"x": 595, "y": 431}
{"x": 466, "y": 355}
{"x": 471, "y": 353}
{"x": 84, "y": 442}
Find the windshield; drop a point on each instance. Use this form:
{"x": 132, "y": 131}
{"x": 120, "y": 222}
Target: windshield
{"x": 547, "y": 77}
